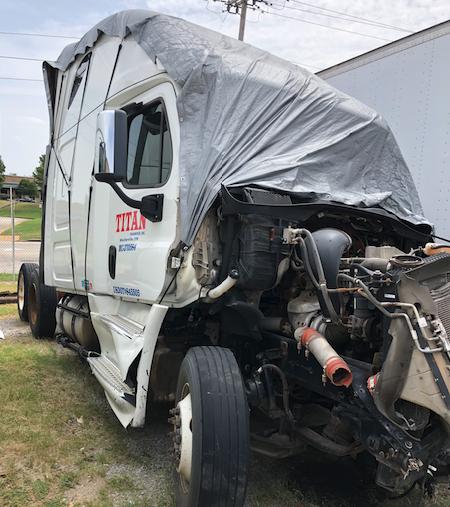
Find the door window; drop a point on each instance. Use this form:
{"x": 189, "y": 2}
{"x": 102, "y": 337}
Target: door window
{"x": 149, "y": 147}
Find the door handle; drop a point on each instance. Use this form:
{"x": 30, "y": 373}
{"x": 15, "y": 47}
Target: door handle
{"x": 112, "y": 255}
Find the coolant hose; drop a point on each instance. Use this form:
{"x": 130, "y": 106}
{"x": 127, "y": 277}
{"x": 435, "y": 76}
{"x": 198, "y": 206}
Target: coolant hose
{"x": 334, "y": 367}
{"x": 229, "y": 282}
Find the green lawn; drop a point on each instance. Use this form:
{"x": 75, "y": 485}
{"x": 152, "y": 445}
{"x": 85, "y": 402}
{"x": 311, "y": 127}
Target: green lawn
{"x": 8, "y": 311}
{"x": 27, "y": 231}
{"x": 7, "y": 283}
{"x": 60, "y": 445}
{"x": 5, "y": 277}
{"x": 22, "y": 210}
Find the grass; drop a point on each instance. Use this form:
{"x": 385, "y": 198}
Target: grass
{"x": 60, "y": 446}
{"x": 59, "y": 443}
{"x": 27, "y": 231}
{"x": 8, "y": 311}
{"x": 22, "y": 210}
{"x": 5, "y": 277}
{"x": 7, "y": 283}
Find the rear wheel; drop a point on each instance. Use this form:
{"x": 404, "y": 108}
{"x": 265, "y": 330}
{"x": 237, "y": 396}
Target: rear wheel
{"x": 211, "y": 430}
{"x": 23, "y": 289}
{"x": 41, "y": 307}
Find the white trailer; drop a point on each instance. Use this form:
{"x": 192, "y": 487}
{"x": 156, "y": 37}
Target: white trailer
{"x": 225, "y": 232}
{"x": 406, "y": 81}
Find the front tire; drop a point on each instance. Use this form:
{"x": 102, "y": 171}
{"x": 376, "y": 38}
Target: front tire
{"x": 211, "y": 421}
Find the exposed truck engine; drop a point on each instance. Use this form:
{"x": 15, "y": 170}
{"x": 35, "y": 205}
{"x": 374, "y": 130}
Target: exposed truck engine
{"x": 339, "y": 325}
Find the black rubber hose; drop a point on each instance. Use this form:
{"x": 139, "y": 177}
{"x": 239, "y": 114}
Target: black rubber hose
{"x": 304, "y": 258}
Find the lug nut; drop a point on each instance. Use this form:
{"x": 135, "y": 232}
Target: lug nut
{"x": 174, "y": 411}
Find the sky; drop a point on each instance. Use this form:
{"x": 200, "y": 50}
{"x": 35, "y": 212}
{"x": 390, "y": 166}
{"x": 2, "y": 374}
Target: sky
{"x": 23, "y": 107}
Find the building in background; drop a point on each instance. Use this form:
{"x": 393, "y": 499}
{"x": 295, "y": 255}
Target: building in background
{"x": 12, "y": 181}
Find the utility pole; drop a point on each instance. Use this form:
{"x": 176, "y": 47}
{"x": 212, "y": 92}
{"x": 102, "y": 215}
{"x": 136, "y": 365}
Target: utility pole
{"x": 13, "y": 234}
{"x": 243, "y": 6}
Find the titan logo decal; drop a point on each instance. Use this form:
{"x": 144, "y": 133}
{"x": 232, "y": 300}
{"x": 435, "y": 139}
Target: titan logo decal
{"x": 130, "y": 221}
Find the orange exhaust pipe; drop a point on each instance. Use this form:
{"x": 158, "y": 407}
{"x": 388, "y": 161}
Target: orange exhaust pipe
{"x": 334, "y": 367}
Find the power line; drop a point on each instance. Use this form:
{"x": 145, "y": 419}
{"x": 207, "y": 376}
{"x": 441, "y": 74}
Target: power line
{"x": 20, "y": 58}
{"x": 368, "y": 23}
{"x": 240, "y": 7}
{"x": 325, "y": 26}
{"x": 21, "y": 79}
{"x": 368, "y": 20}
{"x": 39, "y": 35}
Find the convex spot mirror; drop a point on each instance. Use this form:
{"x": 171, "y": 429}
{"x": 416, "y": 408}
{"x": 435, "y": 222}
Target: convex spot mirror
{"x": 111, "y": 146}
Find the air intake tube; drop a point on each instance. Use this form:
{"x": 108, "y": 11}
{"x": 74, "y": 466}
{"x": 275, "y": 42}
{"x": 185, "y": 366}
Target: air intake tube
{"x": 331, "y": 244}
{"x": 334, "y": 367}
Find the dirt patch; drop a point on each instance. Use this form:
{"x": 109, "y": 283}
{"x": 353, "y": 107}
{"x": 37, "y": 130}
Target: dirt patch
{"x": 14, "y": 328}
{"x": 85, "y": 491}
{"x": 128, "y": 483}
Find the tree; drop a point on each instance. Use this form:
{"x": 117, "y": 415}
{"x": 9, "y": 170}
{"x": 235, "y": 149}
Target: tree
{"x": 38, "y": 173}
{"x": 2, "y": 171}
{"x": 27, "y": 188}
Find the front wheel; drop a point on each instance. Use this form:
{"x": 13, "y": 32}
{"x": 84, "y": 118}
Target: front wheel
{"x": 211, "y": 430}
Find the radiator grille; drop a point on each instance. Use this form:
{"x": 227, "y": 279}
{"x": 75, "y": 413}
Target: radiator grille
{"x": 441, "y": 297}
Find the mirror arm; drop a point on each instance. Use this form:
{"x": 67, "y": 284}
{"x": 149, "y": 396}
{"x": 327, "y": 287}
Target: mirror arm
{"x": 133, "y": 203}
{"x": 154, "y": 214}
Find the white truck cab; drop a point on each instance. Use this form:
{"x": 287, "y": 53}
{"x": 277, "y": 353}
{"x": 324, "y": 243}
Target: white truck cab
{"x": 225, "y": 232}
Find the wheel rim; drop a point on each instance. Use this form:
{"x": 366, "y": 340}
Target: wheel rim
{"x": 182, "y": 421}
{"x": 21, "y": 292}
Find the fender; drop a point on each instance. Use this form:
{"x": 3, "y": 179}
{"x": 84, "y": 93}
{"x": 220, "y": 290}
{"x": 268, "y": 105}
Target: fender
{"x": 151, "y": 332}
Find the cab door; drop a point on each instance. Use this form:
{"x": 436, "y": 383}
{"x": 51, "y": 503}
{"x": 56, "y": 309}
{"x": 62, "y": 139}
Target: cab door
{"x": 127, "y": 254}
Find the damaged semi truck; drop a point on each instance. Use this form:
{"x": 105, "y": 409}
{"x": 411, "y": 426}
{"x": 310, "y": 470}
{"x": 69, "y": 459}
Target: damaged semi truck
{"x": 226, "y": 232}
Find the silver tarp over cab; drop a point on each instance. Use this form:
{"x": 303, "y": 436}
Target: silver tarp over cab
{"x": 250, "y": 118}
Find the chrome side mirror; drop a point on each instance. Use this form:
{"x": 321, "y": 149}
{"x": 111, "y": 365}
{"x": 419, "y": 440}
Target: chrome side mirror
{"x": 111, "y": 146}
